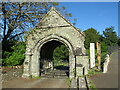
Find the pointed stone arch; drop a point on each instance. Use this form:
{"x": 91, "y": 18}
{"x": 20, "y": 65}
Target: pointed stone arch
{"x": 49, "y": 29}
{"x": 34, "y": 62}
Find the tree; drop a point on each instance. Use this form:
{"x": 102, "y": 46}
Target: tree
{"x": 16, "y": 56}
{"x": 60, "y": 53}
{"x": 92, "y": 36}
{"x": 118, "y": 41}
{"x": 110, "y": 36}
{"x": 22, "y": 16}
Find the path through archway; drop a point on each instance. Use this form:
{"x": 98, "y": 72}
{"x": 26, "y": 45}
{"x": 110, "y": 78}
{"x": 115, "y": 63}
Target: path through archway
{"x": 54, "y": 60}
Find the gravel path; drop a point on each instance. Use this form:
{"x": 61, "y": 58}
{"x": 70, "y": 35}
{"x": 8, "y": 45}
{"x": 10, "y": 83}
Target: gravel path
{"x": 109, "y": 79}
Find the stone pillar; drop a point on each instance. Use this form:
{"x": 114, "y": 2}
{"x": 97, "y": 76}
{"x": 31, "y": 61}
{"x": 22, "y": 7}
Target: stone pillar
{"x": 86, "y": 65}
{"x": 35, "y": 64}
{"x": 79, "y": 66}
{"x": 26, "y": 65}
{"x": 71, "y": 66}
{"x": 92, "y": 55}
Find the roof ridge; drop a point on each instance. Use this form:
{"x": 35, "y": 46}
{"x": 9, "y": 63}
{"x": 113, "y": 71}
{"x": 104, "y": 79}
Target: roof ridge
{"x": 53, "y": 8}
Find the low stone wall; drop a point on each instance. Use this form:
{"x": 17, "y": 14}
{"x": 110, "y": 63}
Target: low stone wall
{"x": 9, "y": 73}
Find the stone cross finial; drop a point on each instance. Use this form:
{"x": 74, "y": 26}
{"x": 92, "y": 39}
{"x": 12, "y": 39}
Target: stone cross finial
{"x": 53, "y": 8}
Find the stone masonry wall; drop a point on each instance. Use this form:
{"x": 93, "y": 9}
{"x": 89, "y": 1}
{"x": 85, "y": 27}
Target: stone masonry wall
{"x": 54, "y": 27}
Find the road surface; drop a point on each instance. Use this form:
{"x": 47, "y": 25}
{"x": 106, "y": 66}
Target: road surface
{"x": 109, "y": 79}
{"x": 39, "y": 83}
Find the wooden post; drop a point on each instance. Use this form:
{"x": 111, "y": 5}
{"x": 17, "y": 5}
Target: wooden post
{"x": 98, "y": 54}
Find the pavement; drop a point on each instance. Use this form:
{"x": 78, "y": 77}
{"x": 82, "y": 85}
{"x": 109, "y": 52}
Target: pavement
{"x": 109, "y": 79}
{"x": 39, "y": 83}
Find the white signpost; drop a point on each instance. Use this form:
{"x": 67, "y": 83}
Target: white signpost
{"x": 92, "y": 55}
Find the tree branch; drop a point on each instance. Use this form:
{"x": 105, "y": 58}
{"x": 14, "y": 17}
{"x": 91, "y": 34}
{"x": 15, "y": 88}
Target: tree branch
{"x": 17, "y": 35}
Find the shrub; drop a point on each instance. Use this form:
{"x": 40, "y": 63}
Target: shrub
{"x": 60, "y": 54}
{"x": 16, "y": 57}
{"x": 104, "y": 52}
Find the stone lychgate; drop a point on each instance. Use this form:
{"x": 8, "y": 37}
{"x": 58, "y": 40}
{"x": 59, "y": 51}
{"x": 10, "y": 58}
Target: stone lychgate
{"x": 54, "y": 27}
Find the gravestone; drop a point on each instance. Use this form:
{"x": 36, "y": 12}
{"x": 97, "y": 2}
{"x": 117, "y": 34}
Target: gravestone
{"x": 92, "y": 55}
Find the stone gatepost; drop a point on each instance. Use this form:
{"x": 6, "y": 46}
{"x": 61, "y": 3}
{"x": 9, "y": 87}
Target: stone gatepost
{"x": 82, "y": 65}
{"x": 26, "y": 70}
{"x": 72, "y": 66}
{"x": 79, "y": 66}
{"x": 86, "y": 64}
{"x": 35, "y": 64}
{"x": 81, "y": 62}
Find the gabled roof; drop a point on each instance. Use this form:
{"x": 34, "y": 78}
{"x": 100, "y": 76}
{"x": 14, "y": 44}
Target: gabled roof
{"x": 49, "y": 15}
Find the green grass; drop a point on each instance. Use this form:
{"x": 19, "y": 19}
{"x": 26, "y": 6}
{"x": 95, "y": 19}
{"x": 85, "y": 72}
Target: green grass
{"x": 36, "y": 77}
{"x": 92, "y": 85}
{"x": 60, "y": 64}
{"x": 94, "y": 71}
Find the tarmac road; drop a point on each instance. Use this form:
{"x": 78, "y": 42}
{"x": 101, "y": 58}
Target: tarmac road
{"x": 109, "y": 79}
{"x": 39, "y": 83}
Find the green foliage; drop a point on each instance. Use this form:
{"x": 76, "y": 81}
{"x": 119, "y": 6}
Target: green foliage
{"x": 69, "y": 14}
{"x": 23, "y": 16}
{"x": 68, "y": 81}
{"x": 118, "y": 41}
{"x": 92, "y": 36}
{"x": 110, "y": 36}
{"x": 36, "y": 77}
{"x": 6, "y": 45}
{"x": 104, "y": 51}
{"x": 60, "y": 54}
{"x": 20, "y": 19}
{"x": 55, "y": 3}
{"x": 94, "y": 71}
{"x": 16, "y": 57}
{"x": 103, "y": 55}
{"x": 63, "y": 8}
{"x": 92, "y": 85}
{"x": 104, "y": 47}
